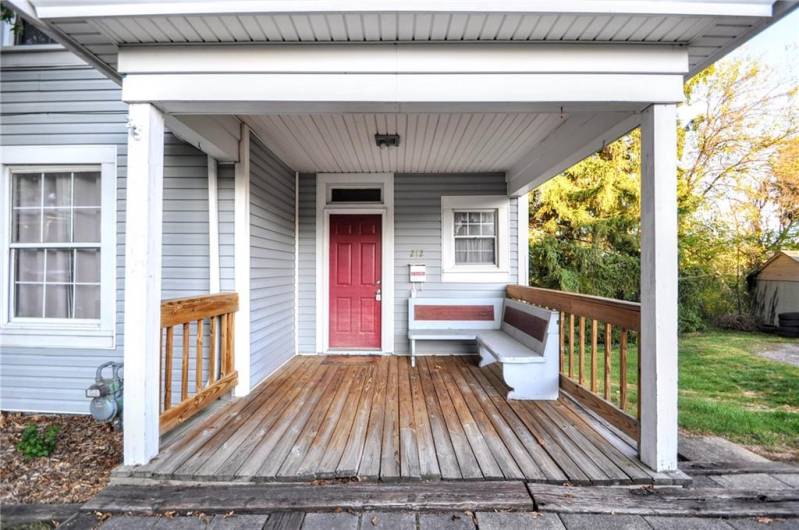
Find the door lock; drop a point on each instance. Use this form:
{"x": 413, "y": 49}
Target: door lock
{"x": 378, "y": 295}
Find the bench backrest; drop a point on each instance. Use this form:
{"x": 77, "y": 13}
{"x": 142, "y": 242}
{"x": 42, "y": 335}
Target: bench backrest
{"x": 533, "y": 326}
{"x": 454, "y": 313}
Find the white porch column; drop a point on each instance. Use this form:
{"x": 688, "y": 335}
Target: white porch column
{"x": 523, "y": 239}
{"x": 658, "y": 446}
{"x": 241, "y": 245}
{"x": 143, "y": 282}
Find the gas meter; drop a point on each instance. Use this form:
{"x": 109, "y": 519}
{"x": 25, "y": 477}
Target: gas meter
{"x": 106, "y": 395}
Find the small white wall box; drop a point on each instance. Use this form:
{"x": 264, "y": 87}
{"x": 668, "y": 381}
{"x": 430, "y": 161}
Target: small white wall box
{"x": 418, "y": 273}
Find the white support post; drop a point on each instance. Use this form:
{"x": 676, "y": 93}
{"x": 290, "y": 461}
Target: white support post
{"x": 523, "y": 239}
{"x": 658, "y": 445}
{"x": 143, "y": 282}
{"x": 213, "y": 227}
{"x": 241, "y": 228}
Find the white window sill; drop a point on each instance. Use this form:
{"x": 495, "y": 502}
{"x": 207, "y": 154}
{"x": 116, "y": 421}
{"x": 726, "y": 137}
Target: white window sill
{"x": 475, "y": 276}
{"x": 77, "y": 337}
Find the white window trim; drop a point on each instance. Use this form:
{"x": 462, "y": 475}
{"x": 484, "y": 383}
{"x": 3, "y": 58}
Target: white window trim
{"x": 324, "y": 182}
{"x": 499, "y": 272}
{"x": 62, "y": 333}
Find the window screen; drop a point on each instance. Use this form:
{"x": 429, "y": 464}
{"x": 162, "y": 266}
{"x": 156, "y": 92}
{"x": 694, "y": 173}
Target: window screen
{"x": 55, "y": 244}
{"x": 475, "y": 237}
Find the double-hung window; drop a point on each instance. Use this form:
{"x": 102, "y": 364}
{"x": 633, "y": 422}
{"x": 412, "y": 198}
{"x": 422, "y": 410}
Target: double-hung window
{"x": 474, "y": 238}
{"x": 59, "y": 247}
{"x": 56, "y": 245}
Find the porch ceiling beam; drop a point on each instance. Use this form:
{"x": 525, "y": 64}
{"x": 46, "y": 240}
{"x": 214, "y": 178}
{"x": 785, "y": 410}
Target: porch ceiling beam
{"x": 335, "y": 89}
{"x": 407, "y": 58}
{"x": 577, "y": 137}
{"x": 59, "y": 9}
{"x": 216, "y": 136}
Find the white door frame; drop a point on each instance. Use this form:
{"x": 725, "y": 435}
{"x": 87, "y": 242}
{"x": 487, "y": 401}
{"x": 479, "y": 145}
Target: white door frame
{"x": 324, "y": 210}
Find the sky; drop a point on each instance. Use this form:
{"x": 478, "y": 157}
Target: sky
{"x": 777, "y": 45}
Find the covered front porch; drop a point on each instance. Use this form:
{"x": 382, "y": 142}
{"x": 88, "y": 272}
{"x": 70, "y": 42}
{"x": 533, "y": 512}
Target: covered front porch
{"x": 379, "y": 418}
{"x": 299, "y": 160}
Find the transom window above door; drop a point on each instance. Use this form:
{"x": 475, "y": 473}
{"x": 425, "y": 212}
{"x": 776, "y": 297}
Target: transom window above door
{"x": 56, "y": 243}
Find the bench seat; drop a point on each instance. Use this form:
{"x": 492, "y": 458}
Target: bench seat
{"x": 506, "y": 349}
{"x": 521, "y": 338}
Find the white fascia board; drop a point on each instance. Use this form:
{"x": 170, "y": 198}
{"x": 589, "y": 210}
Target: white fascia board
{"x": 55, "y": 9}
{"x": 405, "y": 88}
{"x": 577, "y": 138}
{"x": 216, "y": 136}
{"x": 408, "y": 58}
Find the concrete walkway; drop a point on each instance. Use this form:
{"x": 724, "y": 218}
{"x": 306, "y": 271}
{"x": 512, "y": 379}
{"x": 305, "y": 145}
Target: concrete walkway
{"x": 427, "y": 521}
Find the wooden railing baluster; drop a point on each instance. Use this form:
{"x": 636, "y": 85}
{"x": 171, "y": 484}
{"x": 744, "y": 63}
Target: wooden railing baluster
{"x": 562, "y": 352}
{"x": 623, "y": 370}
{"x": 594, "y": 329}
{"x": 638, "y": 382}
{"x": 184, "y": 366}
{"x": 198, "y": 381}
{"x": 571, "y": 345}
{"x": 219, "y": 309}
{"x": 170, "y": 338}
{"x": 581, "y": 358}
{"x": 608, "y": 365}
{"x": 212, "y": 352}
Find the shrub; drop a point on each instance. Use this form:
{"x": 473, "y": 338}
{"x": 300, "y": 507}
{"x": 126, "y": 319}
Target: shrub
{"x": 35, "y": 443}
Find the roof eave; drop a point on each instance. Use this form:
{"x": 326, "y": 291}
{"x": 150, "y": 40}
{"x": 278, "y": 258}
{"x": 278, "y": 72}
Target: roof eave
{"x": 121, "y": 8}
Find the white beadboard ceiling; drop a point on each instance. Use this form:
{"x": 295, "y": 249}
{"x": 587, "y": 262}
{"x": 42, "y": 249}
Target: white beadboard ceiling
{"x": 429, "y": 142}
{"x": 707, "y": 37}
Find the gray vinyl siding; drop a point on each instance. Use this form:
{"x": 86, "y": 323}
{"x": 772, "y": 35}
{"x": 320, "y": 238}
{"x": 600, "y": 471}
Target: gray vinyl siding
{"x": 78, "y": 106}
{"x": 307, "y": 264}
{"x": 225, "y": 188}
{"x": 271, "y": 262}
{"x": 417, "y": 226}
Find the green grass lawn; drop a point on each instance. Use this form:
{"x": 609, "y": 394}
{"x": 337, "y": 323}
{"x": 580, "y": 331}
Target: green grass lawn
{"x": 729, "y": 391}
{"x": 725, "y": 389}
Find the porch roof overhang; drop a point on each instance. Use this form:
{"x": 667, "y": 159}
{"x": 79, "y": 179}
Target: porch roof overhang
{"x": 460, "y": 108}
{"x": 99, "y": 28}
{"x": 577, "y": 72}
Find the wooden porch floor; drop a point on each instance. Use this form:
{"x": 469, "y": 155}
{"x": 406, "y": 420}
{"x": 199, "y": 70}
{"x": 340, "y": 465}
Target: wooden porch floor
{"x": 379, "y": 418}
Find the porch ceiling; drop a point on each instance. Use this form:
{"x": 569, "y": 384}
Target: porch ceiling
{"x": 708, "y": 29}
{"x": 429, "y": 142}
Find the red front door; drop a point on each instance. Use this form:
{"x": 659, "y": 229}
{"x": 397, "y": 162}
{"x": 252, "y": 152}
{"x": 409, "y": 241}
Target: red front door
{"x": 355, "y": 274}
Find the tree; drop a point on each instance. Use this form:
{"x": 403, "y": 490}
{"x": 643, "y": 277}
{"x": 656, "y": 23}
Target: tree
{"x": 738, "y": 190}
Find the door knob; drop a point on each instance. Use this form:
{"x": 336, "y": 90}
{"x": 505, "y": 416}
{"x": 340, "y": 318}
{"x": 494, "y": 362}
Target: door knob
{"x": 378, "y": 295}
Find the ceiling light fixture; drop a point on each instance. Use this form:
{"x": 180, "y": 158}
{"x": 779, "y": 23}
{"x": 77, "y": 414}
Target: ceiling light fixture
{"x": 384, "y": 141}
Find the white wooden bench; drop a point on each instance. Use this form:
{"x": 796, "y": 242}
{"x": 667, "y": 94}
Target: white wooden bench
{"x": 521, "y": 337}
{"x": 451, "y": 319}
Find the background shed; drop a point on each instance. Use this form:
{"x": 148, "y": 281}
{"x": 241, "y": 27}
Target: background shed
{"x": 777, "y": 286}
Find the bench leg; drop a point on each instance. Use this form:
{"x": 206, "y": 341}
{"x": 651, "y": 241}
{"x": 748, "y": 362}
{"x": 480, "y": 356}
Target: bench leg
{"x": 486, "y": 357}
{"x": 530, "y": 381}
{"x": 413, "y": 353}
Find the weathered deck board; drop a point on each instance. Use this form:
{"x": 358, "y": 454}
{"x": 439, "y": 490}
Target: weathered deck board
{"x": 378, "y": 418}
{"x": 708, "y": 502}
{"x": 249, "y": 498}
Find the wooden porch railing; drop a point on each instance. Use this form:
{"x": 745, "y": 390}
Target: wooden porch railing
{"x": 614, "y": 325}
{"x": 211, "y": 380}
